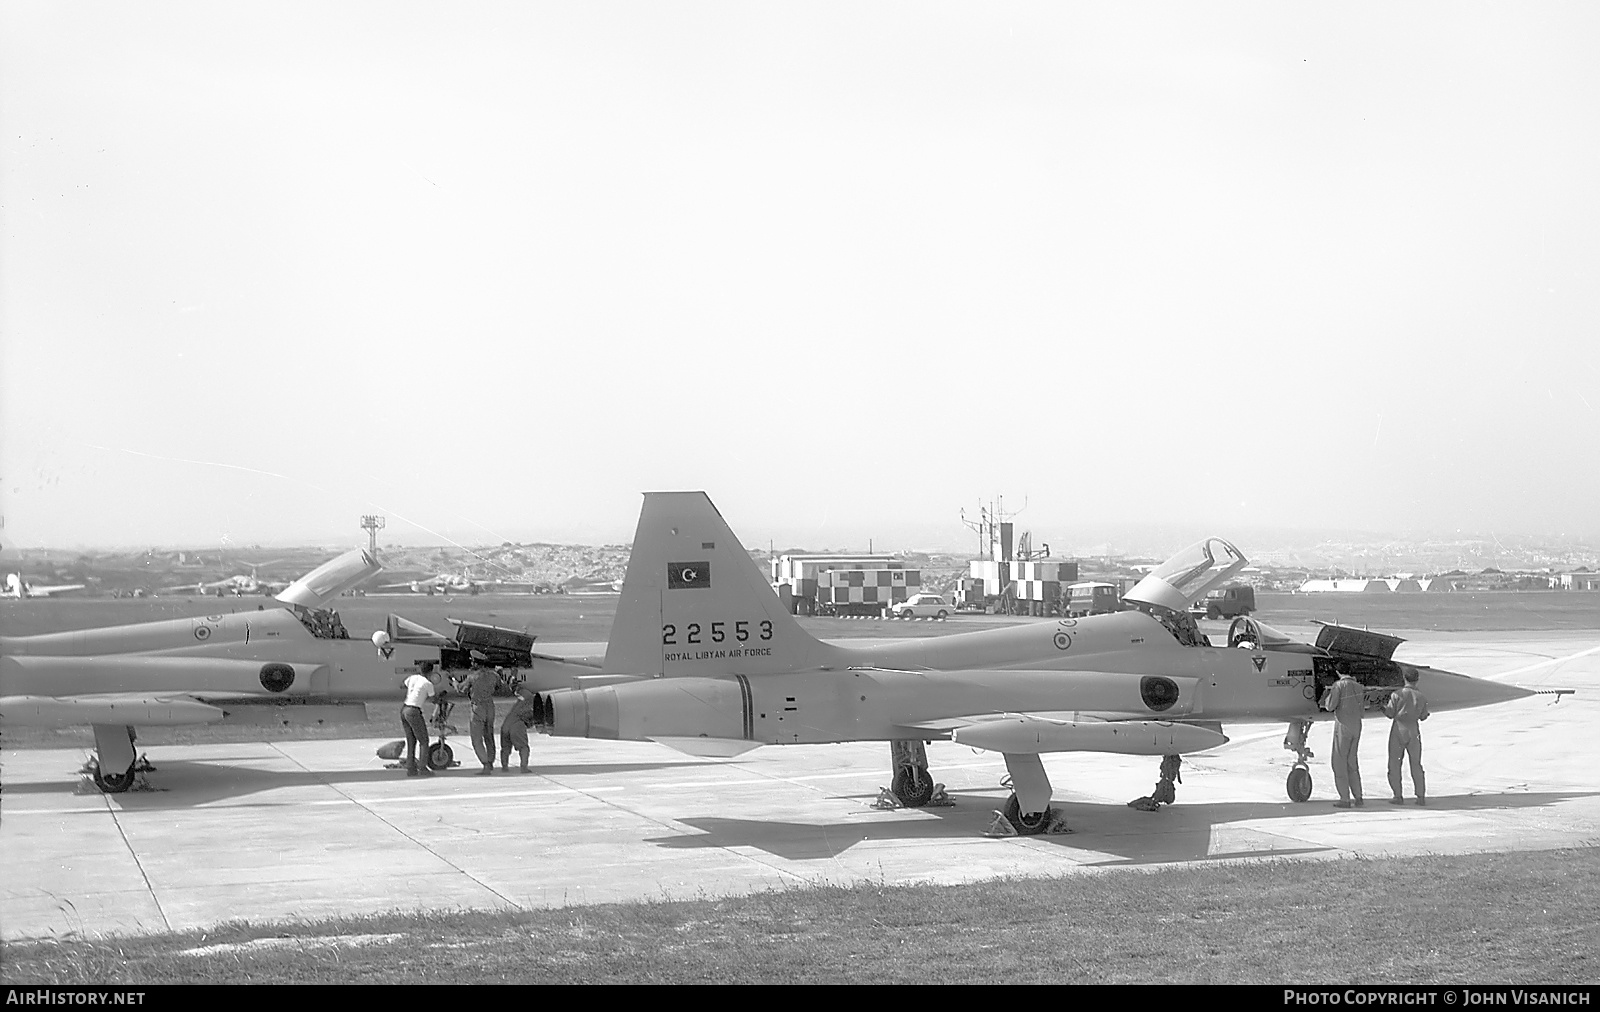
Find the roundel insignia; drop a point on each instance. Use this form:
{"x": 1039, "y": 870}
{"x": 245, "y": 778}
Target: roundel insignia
{"x": 202, "y": 632}
{"x": 1063, "y": 641}
{"x": 276, "y": 677}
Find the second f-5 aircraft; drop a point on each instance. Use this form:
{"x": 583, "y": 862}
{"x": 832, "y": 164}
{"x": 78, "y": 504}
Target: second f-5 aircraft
{"x": 703, "y": 657}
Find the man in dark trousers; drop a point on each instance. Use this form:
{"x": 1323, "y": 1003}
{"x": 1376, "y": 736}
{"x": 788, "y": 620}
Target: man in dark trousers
{"x": 514, "y": 731}
{"x": 480, "y": 689}
{"x": 1346, "y": 700}
{"x": 420, "y": 689}
{"x": 1409, "y": 708}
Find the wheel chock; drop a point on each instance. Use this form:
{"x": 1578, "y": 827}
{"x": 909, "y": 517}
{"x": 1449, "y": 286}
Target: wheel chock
{"x": 1058, "y": 826}
{"x": 886, "y": 802}
{"x": 1000, "y": 828}
{"x": 940, "y": 798}
{"x": 1145, "y": 804}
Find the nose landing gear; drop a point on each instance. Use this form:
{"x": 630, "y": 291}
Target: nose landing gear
{"x": 440, "y": 755}
{"x": 1298, "y": 784}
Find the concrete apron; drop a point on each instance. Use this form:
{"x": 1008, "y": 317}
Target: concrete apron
{"x": 310, "y": 829}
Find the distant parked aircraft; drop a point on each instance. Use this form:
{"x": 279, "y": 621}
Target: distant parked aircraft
{"x": 444, "y": 583}
{"x": 235, "y": 585}
{"x": 17, "y": 587}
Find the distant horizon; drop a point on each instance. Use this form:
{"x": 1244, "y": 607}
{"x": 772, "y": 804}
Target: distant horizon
{"x": 1142, "y": 540}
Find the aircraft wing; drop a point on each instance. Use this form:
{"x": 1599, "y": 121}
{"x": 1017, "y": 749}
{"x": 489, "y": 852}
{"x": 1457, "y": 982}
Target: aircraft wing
{"x": 1077, "y": 731}
{"x": 576, "y": 655}
{"x": 61, "y": 589}
{"x": 142, "y": 709}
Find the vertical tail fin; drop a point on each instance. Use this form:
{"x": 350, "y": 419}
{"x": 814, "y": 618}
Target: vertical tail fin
{"x": 694, "y": 603}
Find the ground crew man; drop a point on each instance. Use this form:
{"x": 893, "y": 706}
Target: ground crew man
{"x": 1346, "y": 700}
{"x": 419, "y": 690}
{"x": 480, "y": 689}
{"x": 514, "y": 731}
{"x": 1409, "y": 708}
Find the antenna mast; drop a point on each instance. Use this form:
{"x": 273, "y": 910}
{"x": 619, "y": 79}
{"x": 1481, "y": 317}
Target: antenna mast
{"x": 992, "y": 519}
{"x": 372, "y": 524}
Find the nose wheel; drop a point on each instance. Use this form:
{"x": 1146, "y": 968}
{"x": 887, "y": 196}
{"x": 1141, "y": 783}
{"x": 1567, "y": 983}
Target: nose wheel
{"x": 441, "y": 756}
{"x": 1299, "y": 784}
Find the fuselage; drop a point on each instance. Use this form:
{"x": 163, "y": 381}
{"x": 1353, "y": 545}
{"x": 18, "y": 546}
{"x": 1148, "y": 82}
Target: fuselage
{"x": 1096, "y": 667}
{"x": 214, "y": 656}
{"x": 1236, "y": 684}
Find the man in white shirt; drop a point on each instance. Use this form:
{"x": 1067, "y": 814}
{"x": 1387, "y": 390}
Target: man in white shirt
{"x": 419, "y": 690}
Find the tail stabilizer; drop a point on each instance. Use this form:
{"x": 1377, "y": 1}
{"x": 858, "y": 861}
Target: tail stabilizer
{"x": 694, "y": 603}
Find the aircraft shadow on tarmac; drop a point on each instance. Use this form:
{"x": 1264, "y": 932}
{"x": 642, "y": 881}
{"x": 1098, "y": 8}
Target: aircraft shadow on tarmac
{"x": 184, "y": 783}
{"x": 1182, "y": 832}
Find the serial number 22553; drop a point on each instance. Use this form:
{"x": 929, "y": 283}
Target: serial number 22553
{"x": 714, "y": 632}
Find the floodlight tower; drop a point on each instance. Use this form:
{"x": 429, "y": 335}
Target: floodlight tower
{"x": 372, "y": 524}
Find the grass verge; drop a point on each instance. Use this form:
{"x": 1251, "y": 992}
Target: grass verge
{"x": 1483, "y": 918}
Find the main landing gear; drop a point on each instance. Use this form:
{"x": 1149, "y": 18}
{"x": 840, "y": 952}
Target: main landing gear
{"x": 115, "y": 766}
{"x": 1166, "y": 791}
{"x": 912, "y": 785}
{"x": 1299, "y": 782}
{"x": 1027, "y": 812}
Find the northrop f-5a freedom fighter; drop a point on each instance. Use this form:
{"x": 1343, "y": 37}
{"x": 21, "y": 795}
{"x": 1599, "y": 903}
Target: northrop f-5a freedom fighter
{"x": 703, "y": 657}
{"x": 192, "y": 670}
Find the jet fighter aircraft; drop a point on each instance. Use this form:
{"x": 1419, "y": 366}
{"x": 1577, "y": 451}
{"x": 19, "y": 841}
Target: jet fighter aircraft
{"x": 703, "y": 657}
{"x": 19, "y": 588}
{"x": 187, "y": 670}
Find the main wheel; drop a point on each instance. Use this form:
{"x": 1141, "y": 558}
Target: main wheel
{"x": 913, "y": 786}
{"x": 1030, "y": 824}
{"x": 1299, "y": 784}
{"x": 441, "y": 756}
{"x": 114, "y": 783}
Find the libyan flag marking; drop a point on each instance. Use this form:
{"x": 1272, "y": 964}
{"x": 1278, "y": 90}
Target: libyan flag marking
{"x": 688, "y": 575}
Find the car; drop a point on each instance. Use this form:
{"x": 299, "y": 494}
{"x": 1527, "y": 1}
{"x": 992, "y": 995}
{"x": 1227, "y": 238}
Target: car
{"x": 922, "y": 606}
{"x": 1226, "y": 602}
{"x": 1083, "y": 599}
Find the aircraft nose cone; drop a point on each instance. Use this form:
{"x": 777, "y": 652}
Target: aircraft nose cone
{"x": 1446, "y": 690}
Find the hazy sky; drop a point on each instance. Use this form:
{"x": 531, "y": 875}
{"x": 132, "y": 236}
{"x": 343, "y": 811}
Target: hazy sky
{"x": 493, "y": 270}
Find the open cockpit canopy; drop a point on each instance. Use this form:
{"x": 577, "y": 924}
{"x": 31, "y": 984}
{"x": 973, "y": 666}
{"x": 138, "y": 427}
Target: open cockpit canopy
{"x": 1185, "y": 578}
{"x": 331, "y": 579}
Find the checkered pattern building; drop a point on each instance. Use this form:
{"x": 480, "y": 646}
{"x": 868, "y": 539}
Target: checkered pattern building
{"x": 867, "y": 586}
